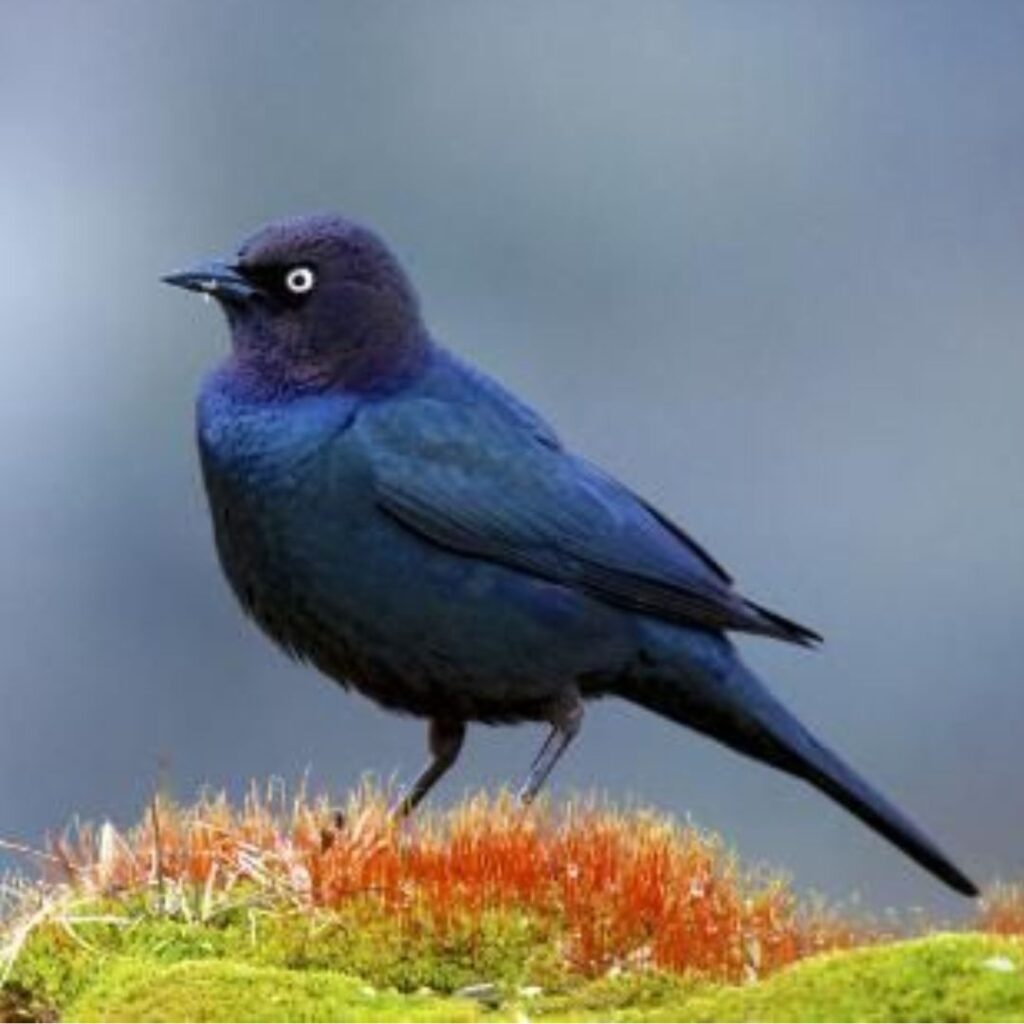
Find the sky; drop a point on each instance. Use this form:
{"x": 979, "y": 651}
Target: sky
{"x": 762, "y": 260}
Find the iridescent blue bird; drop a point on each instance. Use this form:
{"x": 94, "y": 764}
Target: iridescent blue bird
{"x": 399, "y": 520}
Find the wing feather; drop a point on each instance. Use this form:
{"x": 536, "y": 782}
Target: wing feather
{"x": 483, "y": 486}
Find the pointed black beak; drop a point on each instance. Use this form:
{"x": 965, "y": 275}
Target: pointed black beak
{"x": 216, "y": 278}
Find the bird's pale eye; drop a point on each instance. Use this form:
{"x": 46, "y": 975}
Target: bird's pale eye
{"x": 300, "y": 280}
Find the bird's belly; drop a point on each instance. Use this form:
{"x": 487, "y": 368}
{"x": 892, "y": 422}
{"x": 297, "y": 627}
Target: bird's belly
{"x": 414, "y": 627}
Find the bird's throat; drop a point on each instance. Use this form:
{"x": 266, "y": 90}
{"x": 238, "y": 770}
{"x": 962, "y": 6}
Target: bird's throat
{"x": 278, "y": 367}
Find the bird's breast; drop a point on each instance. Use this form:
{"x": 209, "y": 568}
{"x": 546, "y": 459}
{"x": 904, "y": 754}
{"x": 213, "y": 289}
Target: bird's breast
{"x": 275, "y": 498}
{"x": 333, "y": 578}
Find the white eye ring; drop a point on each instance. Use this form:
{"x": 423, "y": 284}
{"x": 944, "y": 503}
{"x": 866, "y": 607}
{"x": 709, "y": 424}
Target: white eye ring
{"x": 300, "y": 280}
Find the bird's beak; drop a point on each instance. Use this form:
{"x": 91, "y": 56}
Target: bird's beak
{"x": 215, "y": 277}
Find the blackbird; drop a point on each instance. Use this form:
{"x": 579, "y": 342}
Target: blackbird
{"x": 401, "y": 521}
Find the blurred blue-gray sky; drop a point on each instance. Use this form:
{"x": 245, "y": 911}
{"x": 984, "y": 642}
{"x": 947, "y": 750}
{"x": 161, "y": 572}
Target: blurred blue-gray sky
{"x": 761, "y": 259}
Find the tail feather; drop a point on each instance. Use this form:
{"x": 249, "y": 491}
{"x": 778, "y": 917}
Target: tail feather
{"x": 781, "y": 628}
{"x": 741, "y": 712}
{"x": 823, "y": 769}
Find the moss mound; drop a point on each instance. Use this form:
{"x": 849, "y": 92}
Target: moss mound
{"x": 940, "y": 978}
{"x": 169, "y": 972}
{"x": 285, "y": 909}
{"x": 223, "y": 990}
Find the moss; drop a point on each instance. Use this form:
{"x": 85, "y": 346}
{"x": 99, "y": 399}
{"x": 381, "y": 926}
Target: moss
{"x": 223, "y": 990}
{"x": 62, "y": 957}
{"x": 248, "y": 964}
{"x": 939, "y": 978}
{"x": 633, "y": 996}
{"x": 945, "y": 977}
{"x": 502, "y": 947}
{"x": 50, "y": 970}
{"x": 942, "y": 977}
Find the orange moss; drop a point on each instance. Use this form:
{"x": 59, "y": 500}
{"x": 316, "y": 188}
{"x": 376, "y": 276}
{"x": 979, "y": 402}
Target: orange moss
{"x": 617, "y": 888}
{"x": 1002, "y": 910}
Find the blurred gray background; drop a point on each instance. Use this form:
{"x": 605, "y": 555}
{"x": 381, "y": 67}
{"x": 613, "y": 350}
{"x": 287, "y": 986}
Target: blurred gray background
{"x": 763, "y": 260}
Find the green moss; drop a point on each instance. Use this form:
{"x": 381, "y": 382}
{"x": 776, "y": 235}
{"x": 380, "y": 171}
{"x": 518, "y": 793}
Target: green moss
{"x": 628, "y": 996}
{"x": 944, "y": 977}
{"x": 61, "y": 958}
{"x": 939, "y": 978}
{"x": 505, "y": 948}
{"x": 222, "y": 990}
{"x": 248, "y": 964}
{"x": 50, "y": 970}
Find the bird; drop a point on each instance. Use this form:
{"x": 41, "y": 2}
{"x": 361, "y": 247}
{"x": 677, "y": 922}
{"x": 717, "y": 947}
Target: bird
{"x": 405, "y": 524}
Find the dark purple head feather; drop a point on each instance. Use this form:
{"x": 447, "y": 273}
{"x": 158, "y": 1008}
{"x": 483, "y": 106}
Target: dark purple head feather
{"x": 320, "y": 304}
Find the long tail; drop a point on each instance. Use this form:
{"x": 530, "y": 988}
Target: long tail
{"x": 737, "y": 709}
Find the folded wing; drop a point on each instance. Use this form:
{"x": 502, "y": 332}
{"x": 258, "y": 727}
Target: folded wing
{"x": 484, "y": 486}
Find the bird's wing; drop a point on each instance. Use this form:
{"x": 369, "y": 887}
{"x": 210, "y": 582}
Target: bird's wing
{"x": 483, "y": 485}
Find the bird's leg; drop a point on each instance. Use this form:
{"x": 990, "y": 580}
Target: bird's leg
{"x": 566, "y": 719}
{"x": 445, "y": 741}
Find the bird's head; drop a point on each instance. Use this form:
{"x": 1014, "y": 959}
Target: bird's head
{"x": 315, "y": 303}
